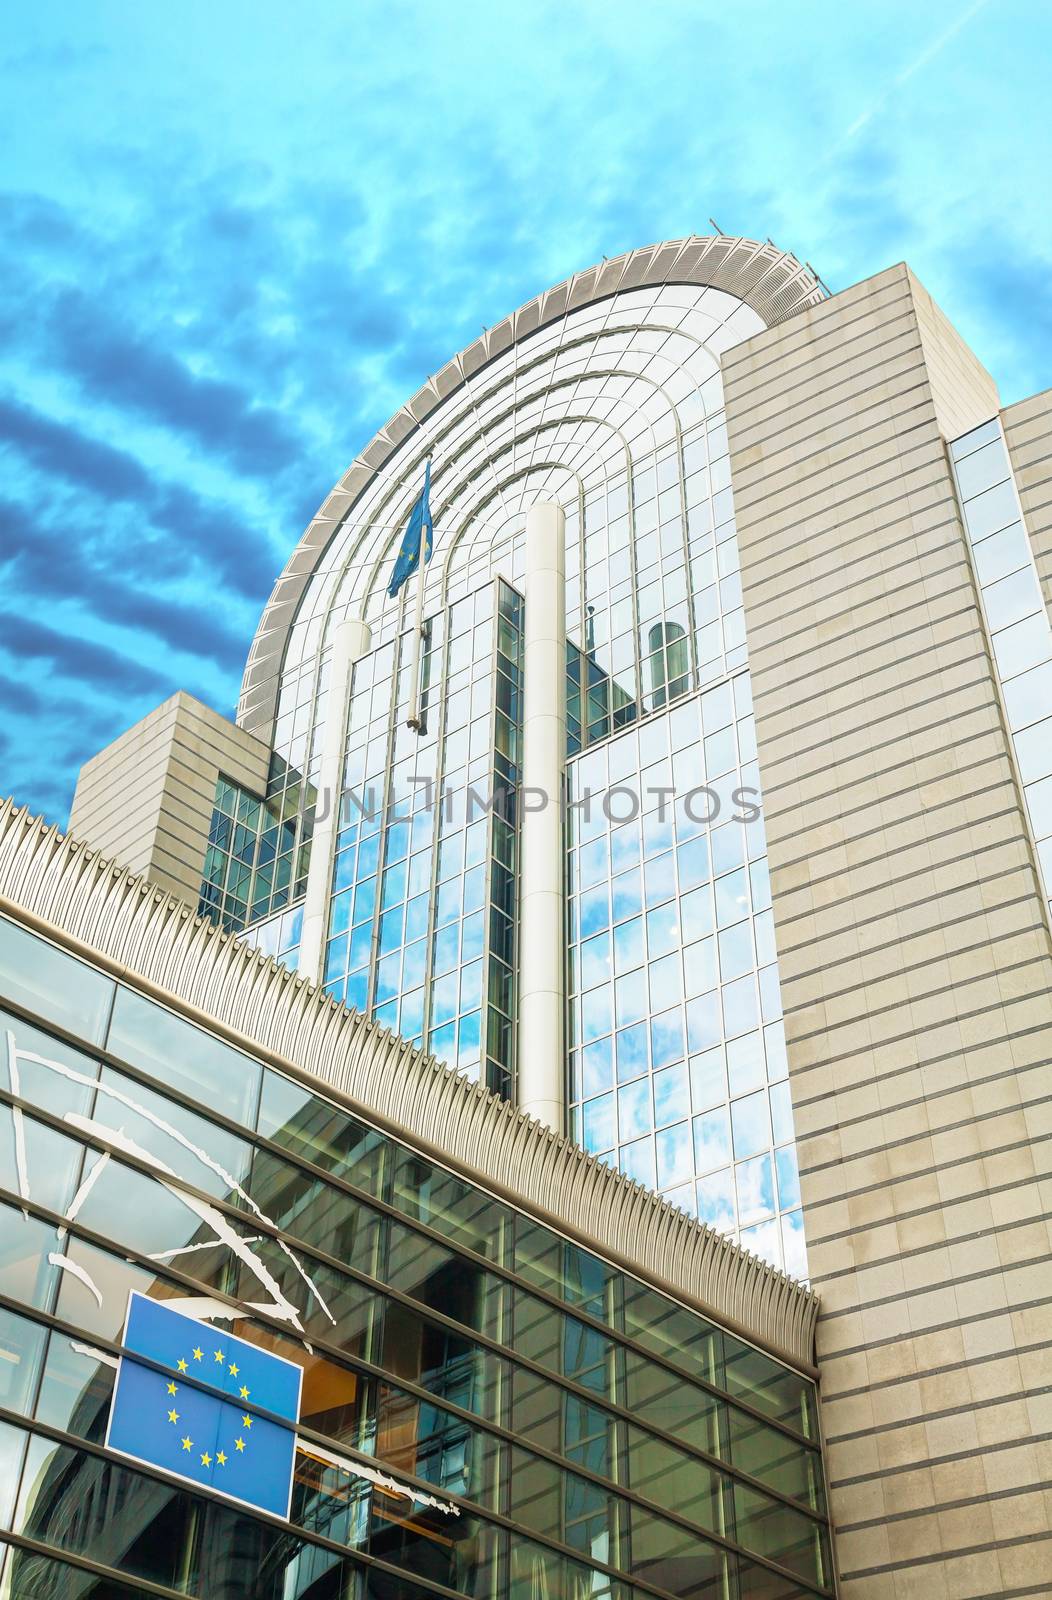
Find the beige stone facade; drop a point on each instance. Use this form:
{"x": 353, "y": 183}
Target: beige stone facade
{"x": 914, "y": 946}
{"x": 147, "y": 799}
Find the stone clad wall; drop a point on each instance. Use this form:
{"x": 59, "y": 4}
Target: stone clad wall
{"x": 914, "y": 950}
{"x": 147, "y": 799}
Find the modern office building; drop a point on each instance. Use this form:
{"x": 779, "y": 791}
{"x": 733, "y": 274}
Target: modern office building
{"x": 507, "y": 1383}
{"x": 700, "y": 529}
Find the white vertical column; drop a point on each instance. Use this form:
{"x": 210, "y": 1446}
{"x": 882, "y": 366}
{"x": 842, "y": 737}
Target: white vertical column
{"x": 351, "y": 639}
{"x": 542, "y": 935}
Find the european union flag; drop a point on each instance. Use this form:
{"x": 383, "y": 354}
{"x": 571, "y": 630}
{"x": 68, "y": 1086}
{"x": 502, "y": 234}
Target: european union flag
{"x": 409, "y": 554}
{"x": 211, "y": 1435}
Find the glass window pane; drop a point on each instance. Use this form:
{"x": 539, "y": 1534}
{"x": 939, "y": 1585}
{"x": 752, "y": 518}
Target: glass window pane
{"x": 708, "y": 1082}
{"x": 628, "y": 945}
{"x": 675, "y": 1159}
{"x": 703, "y": 1022}
{"x": 732, "y": 898}
{"x": 750, "y": 1124}
{"x": 595, "y": 961}
{"x": 794, "y": 1250}
{"x": 739, "y": 1006}
{"x": 597, "y": 1068}
{"x": 755, "y": 1186}
{"x": 745, "y": 1063}
{"x": 76, "y": 1387}
{"x": 631, "y": 1050}
{"x": 1029, "y": 697}
{"x": 788, "y": 1178}
{"x": 1033, "y": 748}
{"x": 712, "y": 1140}
{"x": 634, "y": 1115}
{"x": 716, "y": 1200}
{"x": 781, "y": 1113}
{"x": 46, "y": 980}
{"x": 184, "y": 1057}
{"x": 982, "y": 469}
{"x": 666, "y": 982}
{"x": 62, "y": 1081}
{"x": 735, "y": 951}
{"x": 666, "y": 1038}
{"x": 1010, "y": 599}
{"x": 1023, "y": 645}
{"x": 975, "y": 439}
{"x": 671, "y": 1096}
{"x": 25, "y": 1244}
{"x": 994, "y": 509}
{"x": 21, "y": 1353}
{"x": 321, "y": 1133}
{"x": 1002, "y": 553}
{"x": 637, "y": 1161}
{"x": 51, "y": 1161}
{"x": 598, "y": 1124}
{"x": 1039, "y": 804}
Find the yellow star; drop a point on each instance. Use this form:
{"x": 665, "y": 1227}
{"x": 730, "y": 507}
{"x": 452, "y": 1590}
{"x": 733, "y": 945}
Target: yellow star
{"x": 234, "y": 1369}
{"x": 173, "y": 1388}
{"x": 206, "y": 1459}
{"x": 220, "y": 1458}
{"x": 198, "y": 1353}
{"x": 181, "y": 1364}
{"x": 243, "y": 1391}
{"x": 218, "y": 1356}
{"x": 246, "y": 1420}
{"x": 188, "y": 1443}
{"x": 173, "y": 1416}
{"x": 240, "y": 1443}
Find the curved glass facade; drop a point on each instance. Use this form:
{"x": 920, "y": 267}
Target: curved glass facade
{"x": 487, "y": 1409}
{"x": 676, "y": 1067}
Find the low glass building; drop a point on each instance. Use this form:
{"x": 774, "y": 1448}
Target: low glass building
{"x": 489, "y": 1406}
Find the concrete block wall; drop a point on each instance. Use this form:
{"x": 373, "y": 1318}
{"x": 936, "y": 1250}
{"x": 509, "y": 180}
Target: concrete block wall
{"x": 914, "y": 948}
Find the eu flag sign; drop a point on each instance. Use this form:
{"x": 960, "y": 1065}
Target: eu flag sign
{"x": 417, "y": 532}
{"x": 197, "y": 1417}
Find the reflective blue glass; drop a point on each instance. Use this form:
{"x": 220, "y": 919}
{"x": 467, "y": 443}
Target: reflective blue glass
{"x": 634, "y": 1117}
{"x": 666, "y": 1039}
{"x": 788, "y": 1178}
{"x": 597, "y": 1067}
{"x": 715, "y": 1195}
{"x": 674, "y": 1155}
{"x": 598, "y": 1124}
{"x": 712, "y": 1144}
{"x": 631, "y": 1051}
{"x": 671, "y": 1094}
{"x": 628, "y": 945}
{"x": 750, "y": 1124}
{"x": 755, "y": 1188}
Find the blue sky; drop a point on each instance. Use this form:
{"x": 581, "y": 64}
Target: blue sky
{"x": 236, "y": 235}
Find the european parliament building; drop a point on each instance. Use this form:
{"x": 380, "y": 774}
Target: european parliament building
{"x": 552, "y": 1101}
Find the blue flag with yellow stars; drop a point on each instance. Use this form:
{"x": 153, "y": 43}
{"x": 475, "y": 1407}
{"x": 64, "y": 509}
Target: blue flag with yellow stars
{"x": 198, "y": 1417}
{"x": 419, "y": 524}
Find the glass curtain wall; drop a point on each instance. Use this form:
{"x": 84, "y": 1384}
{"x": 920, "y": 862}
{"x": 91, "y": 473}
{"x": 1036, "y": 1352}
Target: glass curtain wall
{"x": 678, "y": 1069}
{"x": 615, "y": 411}
{"x": 258, "y": 853}
{"x": 422, "y": 917}
{"x": 488, "y": 1409}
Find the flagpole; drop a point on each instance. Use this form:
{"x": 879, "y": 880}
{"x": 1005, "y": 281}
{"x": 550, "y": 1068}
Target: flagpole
{"x": 414, "y": 720}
